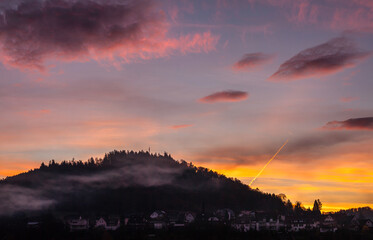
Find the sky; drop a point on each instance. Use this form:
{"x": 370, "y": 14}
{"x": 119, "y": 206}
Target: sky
{"x": 219, "y": 83}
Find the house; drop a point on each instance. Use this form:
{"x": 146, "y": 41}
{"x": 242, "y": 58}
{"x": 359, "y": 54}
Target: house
{"x": 78, "y": 224}
{"x": 269, "y": 222}
{"x": 344, "y": 221}
{"x": 213, "y": 219}
{"x": 328, "y": 225}
{"x": 225, "y": 215}
{"x": 33, "y": 224}
{"x": 173, "y": 217}
{"x": 243, "y": 221}
{"x": 101, "y": 223}
{"x": 110, "y": 223}
{"x": 313, "y": 224}
{"x": 297, "y": 225}
{"x": 189, "y": 217}
{"x": 329, "y": 219}
{"x": 366, "y": 224}
{"x": 158, "y": 214}
{"x": 241, "y": 226}
{"x": 183, "y": 219}
{"x": 158, "y": 220}
{"x": 247, "y": 220}
{"x": 136, "y": 221}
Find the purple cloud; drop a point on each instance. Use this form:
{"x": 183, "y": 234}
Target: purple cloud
{"x": 252, "y": 60}
{"x": 33, "y": 31}
{"x": 327, "y": 58}
{"x": 351, "y": 124}
{"x": 225, "y": 96}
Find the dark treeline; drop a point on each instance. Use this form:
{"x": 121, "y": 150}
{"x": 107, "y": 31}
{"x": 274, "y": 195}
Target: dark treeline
{"x": 128, "y": 181}
{"x": 110, "y": 161}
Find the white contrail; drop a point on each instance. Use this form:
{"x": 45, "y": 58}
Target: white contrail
{"x": 268, "y": 162}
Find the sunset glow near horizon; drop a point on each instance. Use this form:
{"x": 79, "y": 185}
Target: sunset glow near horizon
{"x": 219, "y": 83}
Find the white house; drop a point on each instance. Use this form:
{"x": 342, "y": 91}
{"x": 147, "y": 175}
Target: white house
{"x": 328, "y": 225}
{"x": 100, "y": 223}
{"x": 78, "y": 224}
{"x": 241, "y": 226}
{"x": 158, "y": 220}
{"x": 297, "y": 225}
{"x": 158, "y": 214}
{"x": 33, "y": 224}
{"x": 189, "y": 217}
{"x": 111, "y": 223}
{"x": 183, "y": 219}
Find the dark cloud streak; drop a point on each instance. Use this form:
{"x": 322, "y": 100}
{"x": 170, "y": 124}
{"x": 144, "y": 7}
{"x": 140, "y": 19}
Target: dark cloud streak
{"x": 351, "y": 124}
{"x": 225, "y": 96}
{"x": 252, "y": 60}
{"x": 327, "y": 58}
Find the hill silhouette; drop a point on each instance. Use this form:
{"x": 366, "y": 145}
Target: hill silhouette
{"x": 126, "y": 182}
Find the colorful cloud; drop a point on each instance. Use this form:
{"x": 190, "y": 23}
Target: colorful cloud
{"x": 348, "y": 99}
{"x": 35, "y": 113}
{"x": 181, "y": 126}
{"x": 252, "y": 60}
{"x": 327, "y": 58}
{"x": 225, "y": 96}
{"x": 351, "y": 124}
{"x": 347, "y": 15}
{"x": 32, "y": 32}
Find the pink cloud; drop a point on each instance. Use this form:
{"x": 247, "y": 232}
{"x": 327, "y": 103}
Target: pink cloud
{"x": 304, "y": 12}
{"x": 348, "y": 99}
{"x": 35, "y": 113}
{"x": 356, "y": 19}
{"x": 252, "y": 60}
{"x": 36, "y": 31}
{"x": 181, "y": 126}
{"x": 356, "y": 15}
{"x": 173, "y": 12}
{"x": 178, "y": 9}
{"x": 225, "y": 96}
{"x": 324, "y": 59}
{"x": 191, "y": 43}
{"x": 351, "y": 124}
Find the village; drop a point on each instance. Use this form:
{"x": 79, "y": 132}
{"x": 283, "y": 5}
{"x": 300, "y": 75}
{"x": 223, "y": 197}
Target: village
{"x": 242, "y": 221}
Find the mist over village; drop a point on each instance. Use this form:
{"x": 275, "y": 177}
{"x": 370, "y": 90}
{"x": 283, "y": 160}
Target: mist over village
{"x": 186, "y": 119}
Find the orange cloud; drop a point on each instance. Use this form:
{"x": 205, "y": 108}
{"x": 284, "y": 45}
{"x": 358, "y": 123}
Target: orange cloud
{"x": 225, "y": 96}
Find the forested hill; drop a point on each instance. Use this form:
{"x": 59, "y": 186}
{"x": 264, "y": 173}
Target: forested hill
{"x": 127, "y": 181}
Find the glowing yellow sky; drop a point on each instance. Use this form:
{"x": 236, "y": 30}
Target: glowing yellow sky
{"x": 337, "y": 184}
